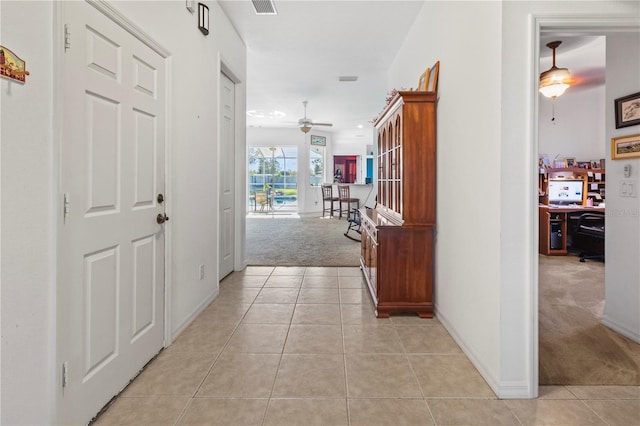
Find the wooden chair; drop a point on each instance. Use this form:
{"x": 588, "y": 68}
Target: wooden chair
{"x": 345, "y": 200}
{"x": 327, "y": 197}
{"x": 262, "y": 199}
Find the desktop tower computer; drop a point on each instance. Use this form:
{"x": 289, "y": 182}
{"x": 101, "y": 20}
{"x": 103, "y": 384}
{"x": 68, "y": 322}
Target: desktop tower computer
{"x": 556, "y": 236}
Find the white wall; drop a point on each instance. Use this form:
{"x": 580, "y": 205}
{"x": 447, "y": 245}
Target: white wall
{"x": 486, "y": 252}
{"x": 578, "y": 130}
{"x": 622, "y": 243}
{"x": 467, "y": 285}
{"x": 30, "y": 176}
{"x": 28, "y": 218}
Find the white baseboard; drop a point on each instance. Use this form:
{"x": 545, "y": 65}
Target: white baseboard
{"x": 516, "y": 390}
{"x": 310, "y": 214}
{"x": 187, "y": 322}
{"x": 503, "y": 390}
{"x": 484, "y": 372}
{"x": 621, "y": 329}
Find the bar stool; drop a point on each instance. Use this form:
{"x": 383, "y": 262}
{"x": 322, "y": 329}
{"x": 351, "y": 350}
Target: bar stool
{"x": 327, "y": 197}
{"x": 345, "y": 198}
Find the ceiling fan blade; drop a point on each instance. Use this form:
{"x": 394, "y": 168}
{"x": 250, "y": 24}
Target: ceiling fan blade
{"x": 308, "y": 122}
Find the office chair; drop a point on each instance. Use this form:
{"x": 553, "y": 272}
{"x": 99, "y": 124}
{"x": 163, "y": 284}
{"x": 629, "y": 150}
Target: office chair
{"x": 327, "y": 197}
{"x": 589, "y": 235}
{"x": 345, "y": 198}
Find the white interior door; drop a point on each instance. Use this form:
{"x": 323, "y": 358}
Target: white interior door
{"x": 111, "y": 286}
{"x": 227, "y": 173}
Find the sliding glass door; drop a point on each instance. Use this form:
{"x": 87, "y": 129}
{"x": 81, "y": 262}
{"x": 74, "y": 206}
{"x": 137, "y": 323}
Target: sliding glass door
{"x": 273, "y": 180}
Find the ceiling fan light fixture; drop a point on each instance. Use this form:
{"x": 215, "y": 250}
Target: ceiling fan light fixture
{"x": 305, "y": 123}
{"x": 553, "y": 85}
{"x": 555, "y": 81}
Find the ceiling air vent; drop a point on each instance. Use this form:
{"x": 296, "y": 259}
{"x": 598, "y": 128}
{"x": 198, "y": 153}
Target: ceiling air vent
{"x": 348, "y": 78}
{"x": 264, "y": 7}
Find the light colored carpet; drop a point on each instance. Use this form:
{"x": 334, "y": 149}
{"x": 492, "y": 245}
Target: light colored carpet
{"x": 293, "y": 241}
{"x": 575, "y": 348}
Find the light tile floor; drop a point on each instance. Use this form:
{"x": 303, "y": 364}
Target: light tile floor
{"x": 301, "y": 346}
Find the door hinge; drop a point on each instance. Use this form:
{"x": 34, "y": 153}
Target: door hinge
{"x": 65, "y": 374}
{"x": 67, "y": 37}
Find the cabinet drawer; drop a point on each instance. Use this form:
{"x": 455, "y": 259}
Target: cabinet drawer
{"x": 370, "y": 229}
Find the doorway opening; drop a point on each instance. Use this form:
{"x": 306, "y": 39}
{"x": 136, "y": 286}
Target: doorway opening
{"x": 345, "y": 168}
{"x": 273, "y": 180}
{"x": 575, "y": 347}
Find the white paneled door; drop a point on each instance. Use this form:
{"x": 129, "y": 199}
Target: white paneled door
{"x": 111, "y": 266}
{"x": 227, "y": 176}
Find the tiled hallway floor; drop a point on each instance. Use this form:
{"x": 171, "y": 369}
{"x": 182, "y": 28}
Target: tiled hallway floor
{"x": 301, "y": 346}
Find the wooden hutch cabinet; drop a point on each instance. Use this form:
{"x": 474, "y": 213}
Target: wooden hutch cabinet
{"x": 398, "y": 236}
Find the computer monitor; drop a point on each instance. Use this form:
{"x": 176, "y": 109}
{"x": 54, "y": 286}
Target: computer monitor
{"x": 566, "y": 191}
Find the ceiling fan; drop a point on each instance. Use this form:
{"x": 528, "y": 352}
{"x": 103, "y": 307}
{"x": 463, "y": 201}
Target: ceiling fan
{"x": 306, "y": 123}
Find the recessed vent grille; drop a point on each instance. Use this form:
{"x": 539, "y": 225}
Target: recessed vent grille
{"x": 348, "y": 78}
{"x": 264, "y": 7}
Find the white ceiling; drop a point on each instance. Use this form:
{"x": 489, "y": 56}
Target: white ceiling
{"x": 299, "y": 54}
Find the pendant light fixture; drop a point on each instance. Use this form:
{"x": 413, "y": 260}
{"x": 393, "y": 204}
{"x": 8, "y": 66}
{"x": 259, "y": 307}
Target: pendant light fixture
{"x": 554, "y": 81}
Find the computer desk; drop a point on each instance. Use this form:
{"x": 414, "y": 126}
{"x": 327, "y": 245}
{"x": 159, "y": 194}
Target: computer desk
{"x": 553, "y": 227}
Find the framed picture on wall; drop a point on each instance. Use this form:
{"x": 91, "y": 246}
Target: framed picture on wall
{"x": 318, "y": 140}
{"x": 544, "y": 162}
{"x": 625, "y": 147}
{"x": 627, "y": 110}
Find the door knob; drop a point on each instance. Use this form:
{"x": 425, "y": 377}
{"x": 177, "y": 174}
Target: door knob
{"x": 162, "y": 218}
